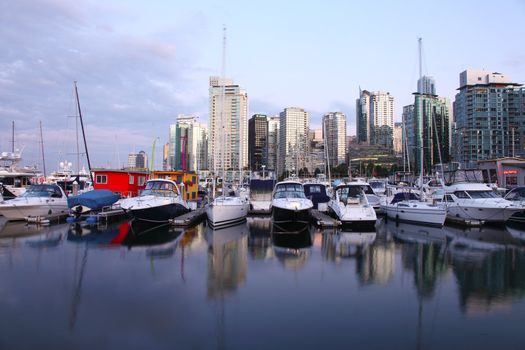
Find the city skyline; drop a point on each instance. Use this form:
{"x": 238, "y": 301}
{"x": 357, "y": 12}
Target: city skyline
{"x": 139, "y": 67}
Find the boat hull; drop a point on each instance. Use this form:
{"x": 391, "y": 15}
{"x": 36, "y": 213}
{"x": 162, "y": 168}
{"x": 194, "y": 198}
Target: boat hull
{"x": 157, "y": 214}
{"x": 423, "y": 215}
{"x": 14, "y": 212}
{"x": 285, "y": 215}
{"x": 465, "y": 214}
{"x": 227, "y": 212}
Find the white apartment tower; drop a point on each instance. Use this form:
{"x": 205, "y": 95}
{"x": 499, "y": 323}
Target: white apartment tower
{"x": 228, "y": 126}
{"x": 334, "y": 134}
{"x": 375, "y": 118}
{"x": 294, "y": 126}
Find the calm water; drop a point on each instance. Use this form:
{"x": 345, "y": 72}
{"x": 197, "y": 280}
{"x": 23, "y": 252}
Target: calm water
{"x": 242, "y": 288}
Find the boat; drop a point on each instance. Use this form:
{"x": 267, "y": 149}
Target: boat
{"x": 46, "y": 201}
{"x": 289, "y": 203}
{"x": 227, "y": 210}
{"x": 92, "y": 202}
{"x": 472, "y": 203}
{"x": 408, "y": 207}
{"x": 350, "y": 206}
{"x": 317, "y": 193}
{"x": 372, "y": 196}
{"x": 159, "y": 202}
{"x": 14, "y": 179}
{"x": 261, "y": 195}
{"x": 517, "y": 196}
{"x": 378, "y": 186}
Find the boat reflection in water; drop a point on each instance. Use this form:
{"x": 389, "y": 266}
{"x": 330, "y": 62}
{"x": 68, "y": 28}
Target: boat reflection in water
{"x": 35, "y": 236}
{"x": 292, "y": 248}
{"x": 227, "y": 259}
{"x": 159, "y": 241}
{"x": 260, "y": 240}
{"x": 102, "y": 237}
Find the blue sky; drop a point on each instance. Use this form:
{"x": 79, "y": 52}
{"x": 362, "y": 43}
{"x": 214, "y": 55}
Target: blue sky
{"x": 139, "y": 64}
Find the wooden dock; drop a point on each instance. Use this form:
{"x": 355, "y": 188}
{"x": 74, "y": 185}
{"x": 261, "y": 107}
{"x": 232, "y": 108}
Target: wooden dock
{"x": 323, "y": 220}
{"x": 189, "y": 218}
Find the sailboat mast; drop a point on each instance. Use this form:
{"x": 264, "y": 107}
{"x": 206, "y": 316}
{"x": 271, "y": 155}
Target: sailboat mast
{"x": 13, "y": 137}
{"x": 43, "y": 158}
{"x": 221, "y": 119}
{"x": 421, "y": 110}
{"x": 83, "y": 133}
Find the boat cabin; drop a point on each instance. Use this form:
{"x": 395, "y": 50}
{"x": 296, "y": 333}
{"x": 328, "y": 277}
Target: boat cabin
{"x": 189, "y": 180}
{"x": 316, "y": 192}
{"x": 350, "y": 194}
{"x": 288, "y": 190}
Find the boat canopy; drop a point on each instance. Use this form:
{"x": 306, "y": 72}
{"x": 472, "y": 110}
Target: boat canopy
{"x": 404, "y": 196}
{"x": 96, "y": 199}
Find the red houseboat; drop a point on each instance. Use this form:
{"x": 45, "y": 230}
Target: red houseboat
{"x": 128, "y": 183}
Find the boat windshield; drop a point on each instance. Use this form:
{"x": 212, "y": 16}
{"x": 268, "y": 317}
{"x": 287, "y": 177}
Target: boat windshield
{"x": 43, "y": 191}
{"x": 159, "y": 188}
{"x": 482, "y": 194}
{"x": 377, "y": 185}
{"x": 289, "y": 191}
{"x": 516, "y": 195}
{"x": 350, "y": 192}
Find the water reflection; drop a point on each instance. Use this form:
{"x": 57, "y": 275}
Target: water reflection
{"x": 292, "y": 245}
{"x": 259, "y": 240}
{"x": 227, "y": 259}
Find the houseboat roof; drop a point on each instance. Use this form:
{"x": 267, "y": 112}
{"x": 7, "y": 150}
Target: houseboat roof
{"x": 127, "y": 171}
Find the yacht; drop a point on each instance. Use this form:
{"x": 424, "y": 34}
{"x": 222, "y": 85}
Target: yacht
{"x": 408, "y": 207}
{"x": 46, "y": 201}
{"x": 517, "y": 196}
{"x": 378, "y": 185}
{"x": 160, "y": 201}
{"x": 473, "y": 203}
{"x": 14, "y": 179}
{"x": 317, "y": 193}
{"x": 227, "y": 210}
{"x": 349, "y": 204}
{"x": 289, "y": 203}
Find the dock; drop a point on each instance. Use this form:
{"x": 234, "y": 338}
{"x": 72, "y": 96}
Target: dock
{"x": 189, "y": 218}
{"x": 323, "y": 220}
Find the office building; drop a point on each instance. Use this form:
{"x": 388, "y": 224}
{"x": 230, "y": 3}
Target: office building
{"x": 334, "y": 134}
{"x": 258, "y": 142}
{"x": 294, "y": 124}
{"x": 375, "y": 118}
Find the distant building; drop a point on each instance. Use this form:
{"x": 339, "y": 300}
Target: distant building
{"x": 228, "y": 126}
{"x": 294, "y": 124}
{"x": 334, "y": 134}
{"x": 273, "y": 143}
{"x": 138, "y": 160}
{"x": 187, "y": 144}
{"x": 398, "y": 138}
{"x": 258, "y": 142}
{"x": 489, "y": 111}
{"x": 426, "y": 85}
{"x": 375, "y": 118}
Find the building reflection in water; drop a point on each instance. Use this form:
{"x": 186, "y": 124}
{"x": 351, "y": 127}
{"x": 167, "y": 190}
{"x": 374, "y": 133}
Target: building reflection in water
{"x": 292, "y": 244}
{"x": 260, "y": 240}
{"x": 227, "y": 259}
{"x": 489, "y": 266}
{"x": 423, "y": 251}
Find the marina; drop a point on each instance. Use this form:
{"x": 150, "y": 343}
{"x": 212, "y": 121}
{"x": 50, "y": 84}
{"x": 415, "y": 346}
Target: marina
{"x": 159, "y": 286}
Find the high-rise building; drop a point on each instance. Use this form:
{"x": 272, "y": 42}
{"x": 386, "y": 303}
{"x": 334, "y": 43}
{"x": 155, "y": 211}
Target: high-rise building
{"x": 273, "y": 143}
{"x": 489, "y": 113}
{"x": 334, "y": 134}
{"x": 138, "y": 160}
{"x": 426, "y": 85}
{"x": 187, "y": 150}
{"x": 429, "y": 116}
{"x": 257, "y": 142}
{"x": 228, "y": 126}
{"x": 375, "y": 118}
{"x": 294, "y": 124}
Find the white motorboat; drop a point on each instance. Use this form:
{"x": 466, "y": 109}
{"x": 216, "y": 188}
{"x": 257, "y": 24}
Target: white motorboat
{"x": 349, "y": 204}
{"x": 408, "y": 207}
{"x": 517, "y": 196}
{"x": 46, "y": 201}
{"x": 378, "y": 185}
{"x": 289, "y": 203}
{"x": 227, "y": 210}
{"x": 14, "y": 179}
{"x": 476, "y": 203}
{"x": 160, "y": 201}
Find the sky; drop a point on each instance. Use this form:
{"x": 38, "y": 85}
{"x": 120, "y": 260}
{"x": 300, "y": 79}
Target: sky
{"x": 139, "y": 64}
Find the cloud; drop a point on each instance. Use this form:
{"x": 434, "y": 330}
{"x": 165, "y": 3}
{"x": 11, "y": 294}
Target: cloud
{"x": 129, "y": 85}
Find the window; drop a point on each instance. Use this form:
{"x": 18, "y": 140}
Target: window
{"x": 142, "y": 180}
{"x": 461, "y": 194}
{"x": 101, "y": 179}
{"x": 193, "y": 195}
{"x": 511, "y": 181}
{"x": 179, "y": 179}
{"x": 131, "y": 179}
{"x": 194, "y": 180}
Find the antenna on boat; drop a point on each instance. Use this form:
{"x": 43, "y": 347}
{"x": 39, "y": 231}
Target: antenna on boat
{"x": 83, "y": 133}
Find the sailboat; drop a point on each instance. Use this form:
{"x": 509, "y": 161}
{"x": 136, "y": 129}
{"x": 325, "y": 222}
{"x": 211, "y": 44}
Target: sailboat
{"x": 224, "y": 210}
{"x": 410, "y": 207}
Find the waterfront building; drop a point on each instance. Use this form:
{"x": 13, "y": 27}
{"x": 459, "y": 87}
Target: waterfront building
{"x": 228, "y": 112}
{"x": 426, "y": 85}
{"x": 273, "y": 143}
{"x": 127, "y": 183}
{"x": 334, "y": 134}
{"x": 258, "y": 142}
{"x": 375, "y": 118}
{"x": 317, "y": 157}
{"x": 138, "y": 160}
{"x": 294, "y": 124}
{"x": 489, "y": 113}
{"x": 187, "y": 144}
